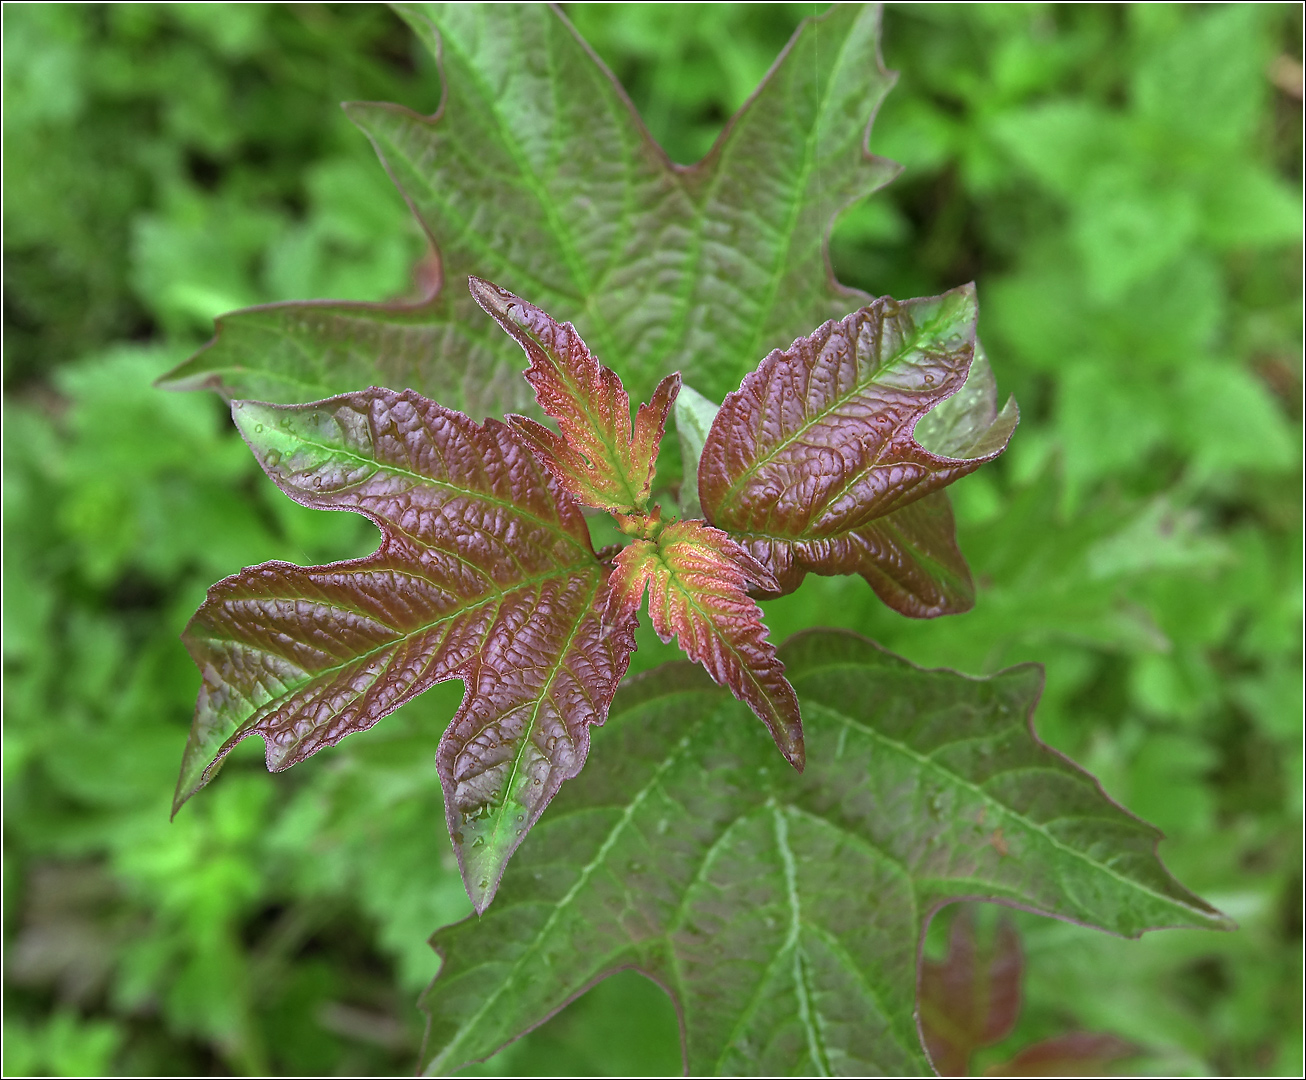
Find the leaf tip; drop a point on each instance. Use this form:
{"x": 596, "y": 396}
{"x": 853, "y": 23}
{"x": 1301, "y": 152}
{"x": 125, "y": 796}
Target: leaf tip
{"x": 494, "y": 300}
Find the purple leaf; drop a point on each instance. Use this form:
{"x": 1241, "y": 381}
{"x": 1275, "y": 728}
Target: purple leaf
{"x": 485, "y": 573}
{"x": 813, "y": 464}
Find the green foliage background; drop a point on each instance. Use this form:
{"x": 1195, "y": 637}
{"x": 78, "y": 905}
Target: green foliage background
{"x": 1124, "y": 185}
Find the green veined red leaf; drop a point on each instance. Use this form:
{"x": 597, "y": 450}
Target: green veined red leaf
{"x": 812, "y": 464}
{"x": 697, "y": 579}
{"x": 599, "y": 458}
{"x": 485, "y": 573}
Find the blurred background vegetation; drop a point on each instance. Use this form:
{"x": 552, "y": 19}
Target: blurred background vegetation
{"x": 1124, "y": 184}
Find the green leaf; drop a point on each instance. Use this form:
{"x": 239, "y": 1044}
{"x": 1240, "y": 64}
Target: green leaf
{"x": 301, "y": 352}
{"x": 694, "y": 416}
{"x": 784, "y": 911}
{"x": 537, "y": 173}
{"x": 485, "y": 573}
{"x": 813, "y": 463}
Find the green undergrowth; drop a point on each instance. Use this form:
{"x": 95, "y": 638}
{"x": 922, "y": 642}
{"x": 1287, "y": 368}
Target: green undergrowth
{"x": 1123, "y": 185}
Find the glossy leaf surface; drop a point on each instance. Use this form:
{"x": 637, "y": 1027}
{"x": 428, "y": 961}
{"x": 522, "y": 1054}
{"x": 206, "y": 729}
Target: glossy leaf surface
{"x": 598, "y": 458}
{"x": 697, "y": 580}
{"x": 782, "y": 910}
{"x": 813, "y": 465}
{"x": 537, "y": 173}
{"x": 485, "y": 573}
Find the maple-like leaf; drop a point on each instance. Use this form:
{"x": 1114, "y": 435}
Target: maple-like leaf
{"x": 485, "y": 573}
{"x": 812, "y": 463}
{"x": 697, "y": 580}
{"x": 971, "y": 998}
{"x": 536, "y": 172}
{"x": 598, "y": 458}
{"x": 784, "y": 911}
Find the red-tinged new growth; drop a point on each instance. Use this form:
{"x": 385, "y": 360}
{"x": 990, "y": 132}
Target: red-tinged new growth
{"x": 971, "y": 999}
{"x": 485, "y": 573}
{"x": 815, "y": 463}
{"x": 697, "y": 580}
{"x": 599, "y": 458}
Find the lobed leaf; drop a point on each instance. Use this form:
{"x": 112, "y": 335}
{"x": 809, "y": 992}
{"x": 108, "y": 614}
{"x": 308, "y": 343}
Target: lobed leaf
{"x": 536, "y": 172}
{"x": 302, "y": 352}
{"x": 485, "y": 573}
{"x": 814, "y": 466}
{"x": 697, "y": 580}
{"x": 598, "y": 459}
{"x": 783, "y": 911}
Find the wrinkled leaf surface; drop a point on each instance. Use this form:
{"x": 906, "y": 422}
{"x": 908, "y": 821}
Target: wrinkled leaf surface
{"x": 598, "y": 458}
{"x": 485, "y": 573}
{"x": 535, "y": 172}
{"x": 697, "y": 580}
{"x": 813, "y": 463}
{"x": 783, "y": 911}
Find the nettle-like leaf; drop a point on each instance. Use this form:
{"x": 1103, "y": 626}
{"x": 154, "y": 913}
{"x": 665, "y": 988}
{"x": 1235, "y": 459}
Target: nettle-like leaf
{"x": 783, "y": 911}
{"x": 697, "y": 580}
{"x": 598, "y": 458}
{"x": 537, "y": 173}
{"x": 485, "y": 573}
{"x": 821, "y": 461}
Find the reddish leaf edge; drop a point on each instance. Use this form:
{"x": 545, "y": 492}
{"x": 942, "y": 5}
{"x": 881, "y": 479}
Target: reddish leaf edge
{"x": 711, "y": 634}
{"x": 599, "y": 446}
{"x": 694, "y": 673}
{"x": 182, "y": 794}
{"x": 795, "y": 557}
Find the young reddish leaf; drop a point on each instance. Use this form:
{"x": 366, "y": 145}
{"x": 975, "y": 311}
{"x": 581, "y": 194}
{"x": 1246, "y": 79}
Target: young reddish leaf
{"x": 598, "y": 459}
{"x": 971, "y": 999}
{"x": 485, "y": 573}
{"x": 537, "y": 172}
{"x": 813, "y": 465}
{"x": 697, "y": 579}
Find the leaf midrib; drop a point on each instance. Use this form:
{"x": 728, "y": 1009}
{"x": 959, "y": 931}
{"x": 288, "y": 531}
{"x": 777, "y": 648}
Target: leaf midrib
{"x": 533, "y": 183}
{"x": 798, "y": 192}
{"x": 927, "y": 763}
{"x": 398, "y": 470}
{"x": 873, "y": 371}
{"x": 271, "y": 706}
{"x": 559, "y": 664}
{"x": 586, "y": 871}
